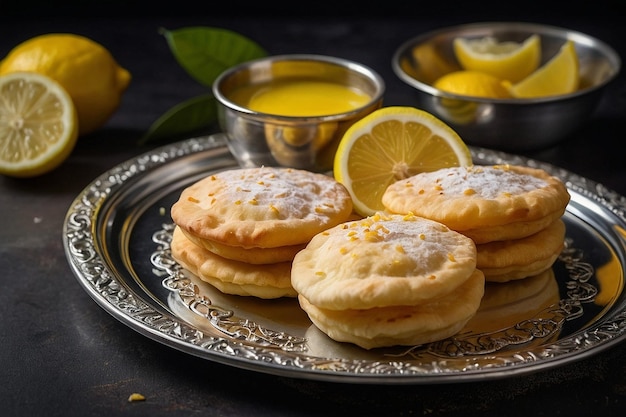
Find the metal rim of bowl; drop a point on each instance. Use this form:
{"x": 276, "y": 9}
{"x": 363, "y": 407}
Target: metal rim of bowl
{"x": 576, "y": 36}
{"x": 347, "y": 64}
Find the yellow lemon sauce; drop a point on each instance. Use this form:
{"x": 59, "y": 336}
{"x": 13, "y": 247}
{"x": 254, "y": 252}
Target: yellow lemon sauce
{"x": 300, "y": 97}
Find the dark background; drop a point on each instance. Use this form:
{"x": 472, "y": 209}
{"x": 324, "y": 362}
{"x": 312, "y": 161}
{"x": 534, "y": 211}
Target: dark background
{"x": 417, "y": 9}
{"x": 62, "y": 355}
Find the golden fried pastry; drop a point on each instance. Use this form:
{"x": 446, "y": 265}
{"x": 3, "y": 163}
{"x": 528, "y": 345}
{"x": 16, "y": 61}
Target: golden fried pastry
{"x": 401, "y": 325}
{"x": 382, "y": 261}
{"x": 508, "y": 260}
{"x": 509, "y": 303}
{"x": 250, "y": 255}
{"x": 485, "y": 203}
{"x": 388, "y": 279}
{"x": 232, "y": 277}
{"x": 263, "y": 207}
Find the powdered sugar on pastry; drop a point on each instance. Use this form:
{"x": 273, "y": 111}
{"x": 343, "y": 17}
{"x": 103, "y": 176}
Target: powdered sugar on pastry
{"x": 484, "y": 202}
{"x": 278, "y": 194}
{"x": 382, "y": 261}
{"x": 261, "y": 207}
{"x": 483, "y": 182}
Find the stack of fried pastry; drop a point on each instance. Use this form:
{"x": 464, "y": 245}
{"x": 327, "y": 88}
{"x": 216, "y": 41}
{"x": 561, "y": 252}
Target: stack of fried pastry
{"x": 388, "y": 280}
{"x": 512, "y": 213}
{"x": 240, "y": 229}
{"x": 525, "y": 301}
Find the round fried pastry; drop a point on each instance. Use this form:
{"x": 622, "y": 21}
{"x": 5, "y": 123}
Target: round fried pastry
{"x": 232, "y": 277}
{"x": 259, "y": 256}
{"x": 401, "y": 325}
{"x": 382, "y": 261}
{"x": 486, "y": 203}
{"x": 503, "y": 261}
{"x": 532, "y": 292}
{"x": 264, "y": 207}
{"x": 507, "y": 304}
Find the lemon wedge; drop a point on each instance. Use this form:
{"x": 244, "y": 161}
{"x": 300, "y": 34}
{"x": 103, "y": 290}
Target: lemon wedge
{"x": 473, "y": 83}
{"x": 507, "y": 60}
{"x": 429, "y": 63}
{"x": 560, "y": 75}
{"x": 390, "y": 144}
{"x": 38, "y": 124}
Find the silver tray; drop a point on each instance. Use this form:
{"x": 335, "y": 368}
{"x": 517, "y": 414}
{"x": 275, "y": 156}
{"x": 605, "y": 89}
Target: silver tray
{"x": 116, "y": 237}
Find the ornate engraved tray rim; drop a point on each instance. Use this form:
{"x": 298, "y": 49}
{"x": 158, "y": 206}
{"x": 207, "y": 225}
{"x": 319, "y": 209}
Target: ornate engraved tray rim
{"x": 98, "y": 236}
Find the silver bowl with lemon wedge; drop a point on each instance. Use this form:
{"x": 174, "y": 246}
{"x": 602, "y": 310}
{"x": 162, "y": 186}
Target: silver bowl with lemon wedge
{"x": 510, "y": 86}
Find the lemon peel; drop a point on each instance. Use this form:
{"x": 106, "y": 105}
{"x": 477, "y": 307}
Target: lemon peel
{"x": 507, "y": 60}
{"x": 473, "y": 83}
{"x": 83, "y": 67}
{"x": 560, "y": 75}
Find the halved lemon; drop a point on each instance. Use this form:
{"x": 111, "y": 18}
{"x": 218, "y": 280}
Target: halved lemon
{"x": 390, "y": 144}
{"x": 38, "y": 125}
{"x": 560, "y": 75}
{"x": 507, "y": 60}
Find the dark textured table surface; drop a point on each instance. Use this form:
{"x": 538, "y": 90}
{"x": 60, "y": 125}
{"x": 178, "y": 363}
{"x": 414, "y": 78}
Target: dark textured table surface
{"x": 63, "y": 355}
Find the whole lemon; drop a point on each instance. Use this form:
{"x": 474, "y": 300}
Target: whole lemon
{"x": 87, "y": 71}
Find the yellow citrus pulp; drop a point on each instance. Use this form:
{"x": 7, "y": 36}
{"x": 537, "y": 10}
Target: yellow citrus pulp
{"x": 473, "y": 83}
{"x": 38, "y": 127}
{"x": 507, "y": 60}
{"x": 560, "y": 75}
{"x": 84, "y": 68}
{"x": 390, "y": 144}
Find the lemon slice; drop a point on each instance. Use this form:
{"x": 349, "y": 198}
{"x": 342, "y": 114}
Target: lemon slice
{"x": 557, "y": 76}
{"x": 38, "y": 127}
{"x": 390, "y": 144}
{"x": 473, "y": 83}
{"x": 510, "y": 61}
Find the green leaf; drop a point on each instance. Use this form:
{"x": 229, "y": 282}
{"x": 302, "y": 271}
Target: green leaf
{"x": 187, "y": 117}
{"x": 206, "y": 52}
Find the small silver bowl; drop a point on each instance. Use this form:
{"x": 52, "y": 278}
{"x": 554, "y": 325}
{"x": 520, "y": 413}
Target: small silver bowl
{"x": 303, "y": 142}
{"x": 506, "y": 124}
